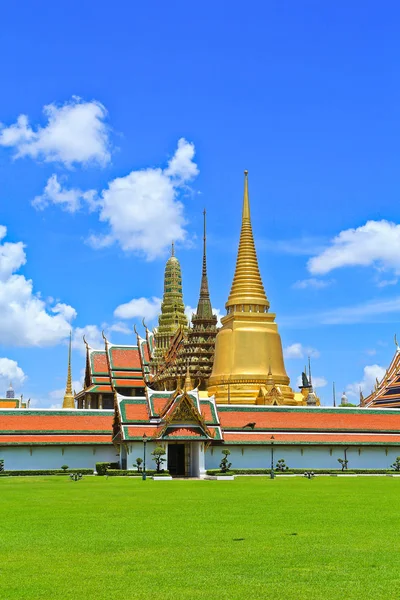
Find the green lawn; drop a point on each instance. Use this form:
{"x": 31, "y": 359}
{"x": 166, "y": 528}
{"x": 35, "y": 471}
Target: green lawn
{"x": 251, "y": 538}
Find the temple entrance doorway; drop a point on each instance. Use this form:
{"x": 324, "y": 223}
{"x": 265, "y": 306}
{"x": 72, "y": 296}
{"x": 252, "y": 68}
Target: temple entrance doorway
{"x": 176, "y": 460}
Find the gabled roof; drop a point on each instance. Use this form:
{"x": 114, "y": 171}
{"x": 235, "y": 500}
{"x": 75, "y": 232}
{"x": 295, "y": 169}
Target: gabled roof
{"x": 125, "y": 366}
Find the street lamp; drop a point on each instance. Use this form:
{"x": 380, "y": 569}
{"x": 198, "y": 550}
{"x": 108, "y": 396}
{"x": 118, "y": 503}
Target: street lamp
{"x": 272, "y": 474}
{"x": 144, "y": 457}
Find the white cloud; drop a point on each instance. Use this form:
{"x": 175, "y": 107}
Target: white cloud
{"x": 75, "y": 132}
{"x": 139, "y": 308}
{"x": 10, "y": 371}
{"x": 24, "y": 318}
{"x": 120, "y": 328}
{"x": 93, "y": 337}
{"x": 367, "y": 384}
{"x": 313, "y": 283}
{"x": 317, "y": 382}
{"x": 377, "y": 243}
{"x": 69, "y": 200}
{"x": 189, "y": 311}
{"x": 142, "y": 209}
{"x": 386, "y": 282}
{"x": 297, "y": 350}
{"x": 57, "y": 396}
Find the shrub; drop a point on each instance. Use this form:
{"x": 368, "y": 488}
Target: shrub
{"x": 344, "y": 462}
{"x": 127, "y": 473}
{"x": 47, "y": 472}
{"x": 281, "y": 466}
{"x": 396, "y": 465}
{"x": 1, "y": 465}
{"x": 64, "y": 467}
{"x": 102, "y": 467}
{"x": 158, "y": 454}
{"x": 139, "y": 464}
{"x": 225, "y": 465}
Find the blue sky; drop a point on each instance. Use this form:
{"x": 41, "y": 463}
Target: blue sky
{"x": 153, "y": 112}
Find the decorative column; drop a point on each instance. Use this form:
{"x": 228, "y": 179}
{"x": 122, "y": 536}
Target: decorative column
{"x": 100, "y": 402}
{"x": 89, "y": 401}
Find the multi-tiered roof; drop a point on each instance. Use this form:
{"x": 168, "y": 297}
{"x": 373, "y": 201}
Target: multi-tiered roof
{"x": 386, "y": 393}
{"x": 195, "y": 350}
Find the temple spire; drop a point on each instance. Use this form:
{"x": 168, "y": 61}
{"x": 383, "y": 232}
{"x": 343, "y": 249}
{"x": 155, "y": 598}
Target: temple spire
{"x": 247, "y": 287}
{"x": 204, "y": 309}
{"x": 69, "y": 401}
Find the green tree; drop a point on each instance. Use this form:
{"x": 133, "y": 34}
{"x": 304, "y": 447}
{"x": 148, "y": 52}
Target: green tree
{"x": 64, "y": 467}
{"x": 344, "y": 462}
{"x": 396, "y": 465}
{"x": 158, "y": 454}
{"x": 281, "y": 465}
{"x": 139, "y": 464}
{"x": 224, "y": 464}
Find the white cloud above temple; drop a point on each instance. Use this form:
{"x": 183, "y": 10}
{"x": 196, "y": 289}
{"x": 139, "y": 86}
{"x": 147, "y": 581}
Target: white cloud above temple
{"x": 10, "y": 371}
{"x": 75, "y": 133}
{"x": 377, "y": 244}
{"x": 69, "y": 199}
{"x": 143, "y": 211}
{"x": 25, "y": 319}
{"x": 370, "y": 374}
{"x": 297, "y": 350}
{"x": 139, "y": 308}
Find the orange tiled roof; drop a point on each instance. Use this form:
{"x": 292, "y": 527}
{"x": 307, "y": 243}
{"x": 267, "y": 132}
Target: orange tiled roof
{"x": 55, "y": 439}
{"x": 50, "y": 421}
{"x": 310, "y": 438}
{"x": 124, "y": 358}
{"x": 309, "y": 419}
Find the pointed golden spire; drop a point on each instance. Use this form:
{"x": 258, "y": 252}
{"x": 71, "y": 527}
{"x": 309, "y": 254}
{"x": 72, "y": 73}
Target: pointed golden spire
{"x": 69, "y": 401}
{"x": 247, "y": 287}
{"x": 188, "y": 381}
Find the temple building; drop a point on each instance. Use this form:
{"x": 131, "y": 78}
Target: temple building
{"x": 10, "y": 401}
{"x": 248, "y": 363}
{"x": 172, "y": 318}
{"x": 193, "y": 349}
{"x": 197, "y": 390}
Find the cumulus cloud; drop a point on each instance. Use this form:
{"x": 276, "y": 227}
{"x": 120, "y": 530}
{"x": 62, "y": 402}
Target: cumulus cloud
{"x": 370, "y": 375}
{"x": 92, "y": 335}
{"x": 25, "y": 319}
{"x": 10, "y": 371}
{"x": 312, "y": 283}
{"x": 75, "y": 133}
{"x": 57, "y": 396}
{"x": 70, "y": 200}
{"x": 142, "y": 209}
{"x": 377, "y": 243}
{"x": 139, "y": 308}
{"x": 297, "y": 350}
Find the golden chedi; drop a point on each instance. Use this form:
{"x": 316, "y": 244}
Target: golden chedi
{"x": 248, "y": 363}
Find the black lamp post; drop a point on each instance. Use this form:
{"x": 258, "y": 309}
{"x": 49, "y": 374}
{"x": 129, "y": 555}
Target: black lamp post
{"x": 272, "y": 474}
{"x": 144, "y": 457}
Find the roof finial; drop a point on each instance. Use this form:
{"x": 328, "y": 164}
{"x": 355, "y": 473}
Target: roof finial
{"x": 69, "y": 401}
{"x": 309, "y": 371}
{"x": 247, "y": 287}
{"x": 173, "y": 249}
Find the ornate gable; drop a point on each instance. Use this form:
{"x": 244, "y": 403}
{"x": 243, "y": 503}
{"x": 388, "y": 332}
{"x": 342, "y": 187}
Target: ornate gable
{"x": 184, "y": 411}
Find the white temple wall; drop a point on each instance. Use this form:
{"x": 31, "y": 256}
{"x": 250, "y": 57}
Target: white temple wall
{"x": 305, "y": 457}
{"x": 136, "y": 450}
{"x": 23, "y": 458}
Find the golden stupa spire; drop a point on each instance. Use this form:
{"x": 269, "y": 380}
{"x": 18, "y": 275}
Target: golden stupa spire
{"x": 247, "y": 287}
{"x": 69, "y": 401}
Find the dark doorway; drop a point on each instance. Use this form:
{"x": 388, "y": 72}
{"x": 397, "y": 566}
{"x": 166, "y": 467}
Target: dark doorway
{"x": 176, "y": 459}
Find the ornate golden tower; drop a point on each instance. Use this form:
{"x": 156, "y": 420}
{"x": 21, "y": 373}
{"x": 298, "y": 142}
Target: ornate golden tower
{"x": 248, "y": 351}
{"x": 172, "y": 315}
{"x": 69, "y": 401}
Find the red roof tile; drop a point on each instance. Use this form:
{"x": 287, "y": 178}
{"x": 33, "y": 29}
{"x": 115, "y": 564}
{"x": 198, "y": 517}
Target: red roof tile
{"x": 320, "y": 419}
{"x": 55, "y": 439}
{"x": 125, "y": 358}
{"x": 57, "y": 421}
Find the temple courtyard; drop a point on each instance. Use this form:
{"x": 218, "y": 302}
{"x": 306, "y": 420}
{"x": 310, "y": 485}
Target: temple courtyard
{"x": 290, "y": 538}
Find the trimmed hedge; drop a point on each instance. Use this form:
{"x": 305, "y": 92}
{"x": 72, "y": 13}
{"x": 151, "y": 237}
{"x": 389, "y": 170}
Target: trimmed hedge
{"x": 302, "y": 471}
{"x": 47, "y": 472}
{"x": 103, "y": 467}
{"x": 127, "y": 473}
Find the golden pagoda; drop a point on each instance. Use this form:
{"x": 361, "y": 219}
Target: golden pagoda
{"x": 248, "y": 363}
{"x": 69, "y": 401}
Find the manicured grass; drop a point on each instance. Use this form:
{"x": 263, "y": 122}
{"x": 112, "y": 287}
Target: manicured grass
{"x": 103, "y": 539}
